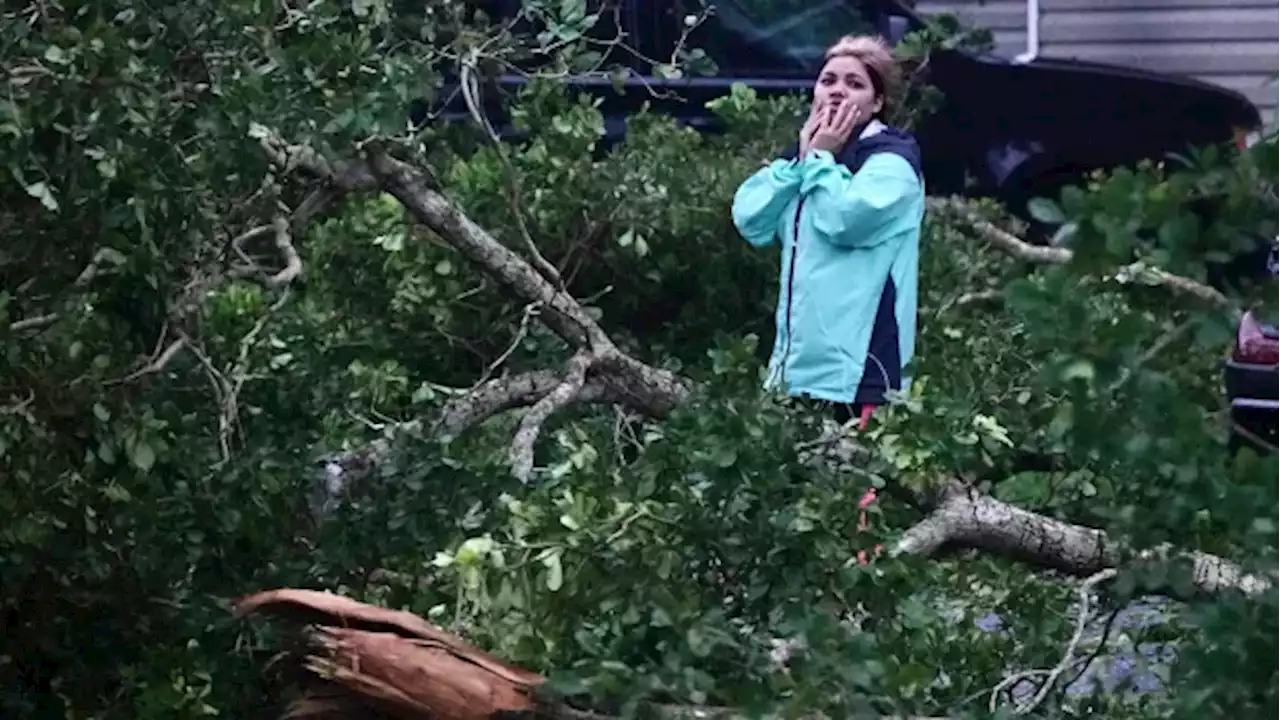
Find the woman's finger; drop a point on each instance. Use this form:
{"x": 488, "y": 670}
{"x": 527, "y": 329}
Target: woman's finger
{"x": 849, "y": 117}
{"x": 843, "y": 125}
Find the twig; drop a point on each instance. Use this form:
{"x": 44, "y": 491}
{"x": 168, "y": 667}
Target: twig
{"x": 1052, "y": 675}
{"x": 531, "y": 424}
{"x": 33, "y": 323}
{"x": 230, "y": 414}
{"x": 1098, "y": 647}
{"x": 238, "y": 242}
{"x": 470, "y": 95}
{"x": 1002, "y": 239}
{"x": 156, "y": 363}
{"x": 530, "y": 311}
{"x": 978, "y": 298}
{"x": 563, "y": 314}
{"x": 219, "y": 383}
{"x": 19, "y": 407}
{"x": 292, "y": 269}
{"x": 1158, "y": 347}
{"x": 283, "y": 240}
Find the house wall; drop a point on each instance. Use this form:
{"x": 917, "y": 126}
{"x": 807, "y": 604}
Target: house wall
{"x": 1232, "y": 43}
{"x": 1006, "y": 19}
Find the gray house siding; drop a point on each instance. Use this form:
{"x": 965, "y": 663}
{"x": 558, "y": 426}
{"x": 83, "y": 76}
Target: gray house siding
{"x": 1006, "y": 19}
{"x": 1232, "y": 43}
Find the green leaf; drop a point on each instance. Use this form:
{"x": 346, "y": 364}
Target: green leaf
{"x": 1079, "y": 370}
{"x": 42, "y": 192}
{"x": 555, "y": 572}
{"x": 667, "y": 71}
{"x": 1063, "y": 236}
{"x": 1046, "y": 211}
{"x": 573, "y": 12}
{"x": 143, "y": 456}
{"x": 56, "y": 55}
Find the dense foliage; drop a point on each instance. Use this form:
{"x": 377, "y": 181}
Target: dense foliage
{"x": 162, "y": 413}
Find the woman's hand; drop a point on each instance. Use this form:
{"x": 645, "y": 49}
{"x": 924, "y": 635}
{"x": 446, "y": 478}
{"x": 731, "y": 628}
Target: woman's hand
{"x": 835, "y": 128}
{"x": 816, "y": 114}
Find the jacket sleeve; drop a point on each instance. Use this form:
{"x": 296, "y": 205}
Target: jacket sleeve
{"x": 853, "y": 210}
{"x": 760, "y": 201}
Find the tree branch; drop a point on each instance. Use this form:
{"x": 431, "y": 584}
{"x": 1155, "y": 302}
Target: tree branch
{"x": 531, "y": 424}
{"x": 1052, "y": 676}
{"x": 280, "y": 230}
{"x": 651, "y": 392}
{"x": 471, "y": 97}
{"x": 967, "y": 519}
{"x": 33, "y": 323}
{"x": 1002, "y": 239}
{"x": 560, "y": 311}
{"x": 1013, "y": 245}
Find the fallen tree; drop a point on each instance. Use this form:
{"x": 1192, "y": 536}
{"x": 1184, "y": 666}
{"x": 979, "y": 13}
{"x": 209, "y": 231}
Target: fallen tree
{"x": 223, "y": 247}
{"x": 418, "y": 671}
{"x": 599, "y": 372}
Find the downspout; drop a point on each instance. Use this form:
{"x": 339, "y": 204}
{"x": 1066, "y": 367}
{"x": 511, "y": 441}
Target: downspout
{"x": 1033, "y": 33}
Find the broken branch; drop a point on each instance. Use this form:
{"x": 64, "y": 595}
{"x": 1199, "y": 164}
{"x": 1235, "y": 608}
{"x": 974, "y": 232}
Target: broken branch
{"x": 533, "y": 420}
{"x": 1052, "y": 676}
{"x": 563, "y": 314}
{"x": 1015, "y": 246}
{"x": 156, "y": 364}
{"x": 283, "y": 241}
{"x": 369, "y": 659}
{"x": 33, "y": 323}
{"x": 1002, "y": 239}
{"x": 965, "y": 518}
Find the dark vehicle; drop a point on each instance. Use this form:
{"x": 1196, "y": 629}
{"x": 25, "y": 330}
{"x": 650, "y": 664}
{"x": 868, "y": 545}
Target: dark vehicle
{"x": 1006, "y": 129}
{"x": 1251, "y": 375}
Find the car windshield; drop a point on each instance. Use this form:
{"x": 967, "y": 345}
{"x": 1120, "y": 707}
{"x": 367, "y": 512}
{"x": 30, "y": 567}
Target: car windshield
{"x": 794, "y": 33}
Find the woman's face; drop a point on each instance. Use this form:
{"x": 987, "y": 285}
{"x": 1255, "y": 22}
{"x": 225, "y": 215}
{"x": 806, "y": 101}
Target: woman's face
{"x": 845, "y": 79}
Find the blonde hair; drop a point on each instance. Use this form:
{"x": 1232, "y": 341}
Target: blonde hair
{"x": 877, "y": 57}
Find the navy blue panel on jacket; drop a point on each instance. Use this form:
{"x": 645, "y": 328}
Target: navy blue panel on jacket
{"x": 884, "y": 362}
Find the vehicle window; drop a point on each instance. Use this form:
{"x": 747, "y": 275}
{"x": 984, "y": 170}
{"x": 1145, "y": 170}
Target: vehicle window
{"x": 773, "y": 36}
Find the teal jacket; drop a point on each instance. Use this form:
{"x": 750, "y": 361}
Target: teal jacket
{"x": 850, "y": 231}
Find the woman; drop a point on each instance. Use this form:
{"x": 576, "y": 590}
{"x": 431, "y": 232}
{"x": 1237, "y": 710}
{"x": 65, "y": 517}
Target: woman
{"x": 847, "y": 202}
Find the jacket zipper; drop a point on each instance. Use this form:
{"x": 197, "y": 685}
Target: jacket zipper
{"x": 791, "y": 281}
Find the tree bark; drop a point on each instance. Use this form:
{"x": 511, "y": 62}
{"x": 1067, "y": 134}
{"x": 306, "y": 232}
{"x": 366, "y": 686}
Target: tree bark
{"x": 965, "y": 518}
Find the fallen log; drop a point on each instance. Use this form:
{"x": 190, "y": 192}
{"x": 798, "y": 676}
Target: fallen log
{"x": 370, "y": 662}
